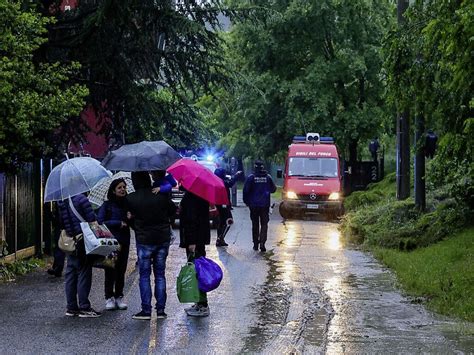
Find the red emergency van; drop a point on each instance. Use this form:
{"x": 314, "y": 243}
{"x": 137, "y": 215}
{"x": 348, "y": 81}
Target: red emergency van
{"x": 312, "y": 178}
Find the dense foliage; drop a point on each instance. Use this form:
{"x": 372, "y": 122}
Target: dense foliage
{"x": 144, "y": 63}
{"x": 430, "y": 71}
{"x": 305, "y": 66}
{"x": 375, "y": 218}
{"x": 33, "y": 97}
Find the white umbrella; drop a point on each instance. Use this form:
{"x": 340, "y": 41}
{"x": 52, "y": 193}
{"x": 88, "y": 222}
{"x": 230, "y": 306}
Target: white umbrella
{"x": 99, "y": 193}
{"x": 73, "y": 177}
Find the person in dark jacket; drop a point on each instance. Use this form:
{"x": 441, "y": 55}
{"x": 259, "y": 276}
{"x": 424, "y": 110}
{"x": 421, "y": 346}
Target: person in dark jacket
{"x": 225, "y": 214}
{"x": 78, "y": 276}
{"x": 113, "y": 214}
{"x": 256, "y": 195}
{"x": 59, "y": 256}
{"x": 195, "y": 234}
{"x": 151, "y": 213}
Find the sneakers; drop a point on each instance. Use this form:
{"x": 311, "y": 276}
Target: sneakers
{"x": 89, "y": 313}
{"x": 120, "y": 303}
{"x": 110, "y": 304}
{"x": 72, "y": 312}
{"x": 221, "y": 243}
{"x": 198, "y": 311}
{"x": 161, "y": 314}
{"x": 262, "y": 247}
{"x": 142, "y": 316}
{"x": 190, "y": 308}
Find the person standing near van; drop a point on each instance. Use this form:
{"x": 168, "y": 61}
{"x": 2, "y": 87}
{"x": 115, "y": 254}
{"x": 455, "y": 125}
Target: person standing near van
{"x": 224, "y": 210}
{"x": 257, "y": 190}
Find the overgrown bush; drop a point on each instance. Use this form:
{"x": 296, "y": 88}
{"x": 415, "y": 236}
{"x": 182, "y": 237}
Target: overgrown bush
{"x": 375, "y": 218}
{"x": 375, "y": 193}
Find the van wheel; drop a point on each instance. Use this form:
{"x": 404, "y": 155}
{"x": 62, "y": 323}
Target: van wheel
{"x": 284, "y": 212}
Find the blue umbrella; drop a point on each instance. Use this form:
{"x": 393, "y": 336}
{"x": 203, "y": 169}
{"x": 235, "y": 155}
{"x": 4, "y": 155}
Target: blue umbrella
{"x": 73, "y": 177}
{"x": 143, "y": 156}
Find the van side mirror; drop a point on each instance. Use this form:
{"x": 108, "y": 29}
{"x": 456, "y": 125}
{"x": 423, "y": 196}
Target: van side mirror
{"x": 279, "y": 173}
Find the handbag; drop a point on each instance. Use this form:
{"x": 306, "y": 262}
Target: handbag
{"x": 187, "y": 285}
{"x": 68, "y": 244}
{"x": 209, "y": 274}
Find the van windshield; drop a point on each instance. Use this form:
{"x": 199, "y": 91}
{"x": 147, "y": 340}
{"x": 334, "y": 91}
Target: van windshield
{"x": 312, "y": 167}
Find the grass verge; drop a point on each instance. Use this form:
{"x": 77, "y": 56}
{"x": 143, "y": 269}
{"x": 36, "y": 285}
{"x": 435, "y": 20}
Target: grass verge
{"x": 431, "y": 252}
{"x": 441, "y": 274}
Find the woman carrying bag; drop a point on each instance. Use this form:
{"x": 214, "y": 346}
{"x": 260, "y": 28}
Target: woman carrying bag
{"x": 195, "y": 234}
{"x": 113, "y": 214}
{"x": 78, "y": 277}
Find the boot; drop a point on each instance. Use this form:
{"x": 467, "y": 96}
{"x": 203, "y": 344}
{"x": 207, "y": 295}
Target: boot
{"x": 255, "y": 246}
{"x": 262, "y": 247}
{"x": 220, "y": 242}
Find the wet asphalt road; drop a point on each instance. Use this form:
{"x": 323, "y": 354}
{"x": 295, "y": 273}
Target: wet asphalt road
{"x": 307, "y": 294}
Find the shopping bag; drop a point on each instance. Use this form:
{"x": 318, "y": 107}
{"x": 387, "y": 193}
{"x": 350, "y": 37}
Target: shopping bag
{"x": 187, "y": 285}
{"x": 98, "y": 240}
{"x": 209, "y": 274}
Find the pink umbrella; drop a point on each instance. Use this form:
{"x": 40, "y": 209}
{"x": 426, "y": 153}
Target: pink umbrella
{"x": 200, "y": 181}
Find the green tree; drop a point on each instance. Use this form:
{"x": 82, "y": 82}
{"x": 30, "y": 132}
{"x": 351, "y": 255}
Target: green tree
{"x": 34, "y": 98}
{"x": 307, "y": 66}
{"x": 430, "y": 72}
{"x": 144, "y": 62}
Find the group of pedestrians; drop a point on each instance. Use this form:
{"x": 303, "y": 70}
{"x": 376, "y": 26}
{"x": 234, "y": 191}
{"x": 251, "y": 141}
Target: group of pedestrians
{"x": 149, "y": 210}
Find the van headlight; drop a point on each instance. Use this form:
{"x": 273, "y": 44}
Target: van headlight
{"x": 334, "y": 196}
{"x": 291, "y": 195}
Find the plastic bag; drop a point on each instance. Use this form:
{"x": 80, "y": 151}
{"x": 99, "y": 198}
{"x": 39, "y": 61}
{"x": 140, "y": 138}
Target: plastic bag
{"x": 187, "y": 285}
{"x": 209, "y": 274}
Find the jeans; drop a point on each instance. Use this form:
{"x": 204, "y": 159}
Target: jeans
{"x": 116, "y": 276}
{"x": 148, "y": 256}
{"x": 260, "y": 217}
{"x": 78, "y": 281}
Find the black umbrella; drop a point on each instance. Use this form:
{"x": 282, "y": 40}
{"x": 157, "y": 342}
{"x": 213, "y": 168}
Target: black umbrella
{"x": 143, "y": 156}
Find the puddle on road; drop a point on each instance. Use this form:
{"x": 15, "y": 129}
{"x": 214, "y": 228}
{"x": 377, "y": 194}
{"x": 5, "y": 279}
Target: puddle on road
{"x": 290, "y": 315}
{"x": 271, "y": 304}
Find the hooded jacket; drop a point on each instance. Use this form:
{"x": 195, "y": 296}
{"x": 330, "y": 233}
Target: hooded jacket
{"x": 151, "y": 213}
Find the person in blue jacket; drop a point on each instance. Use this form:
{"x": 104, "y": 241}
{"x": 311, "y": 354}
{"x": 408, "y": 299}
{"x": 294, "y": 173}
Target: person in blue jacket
{"x": 113, "y": 214}
{"x": 225, "y": 213}
{"x": 257, "y": 189}
{"x": 165, "y": 182}
{"x": 78, "y": 277}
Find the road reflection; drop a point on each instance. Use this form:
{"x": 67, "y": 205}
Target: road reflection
{"x": 334, "y": 240}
